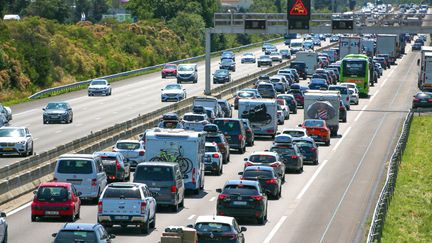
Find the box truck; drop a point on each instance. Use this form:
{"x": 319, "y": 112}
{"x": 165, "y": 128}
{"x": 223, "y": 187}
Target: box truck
{"x": 310, "y": 58}
{"x": 262, "y": 115}
{"x": 425, "y": 77}
{"x": 387, "y": 44}
{"x": 349, "y": 45}
{"x": 323, "y": 105}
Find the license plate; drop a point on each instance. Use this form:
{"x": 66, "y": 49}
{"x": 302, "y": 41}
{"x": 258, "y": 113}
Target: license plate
{"x": 154, "y": 189}
{"x": 239, "y": 203}
{"x": 423, "y": 101}
{"x": 121, "y": 217}
{"x": 7, "y": 149}
{"x": 51, "y": 213}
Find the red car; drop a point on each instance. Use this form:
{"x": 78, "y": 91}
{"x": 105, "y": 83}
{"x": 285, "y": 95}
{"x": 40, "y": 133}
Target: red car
{"x": 169, "y": 70}
{"x": 318, "y": 130}
{"x": 56, "y": 199}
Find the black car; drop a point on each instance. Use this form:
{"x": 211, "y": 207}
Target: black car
{"x": 242, "y": 199}
{"x": 228, "y": 55}
{"x": 289, "y": 154}
{"x": 416, "y": 47}
{"x": 264, "y": 61}
{"x": 300, "y": 67}
{"x": 250, "y": 136}
{"x": 318, "y": 84}
{"x": 227, "y": 64}
{"x": 115, "y": 165}
{"x": 266, "y": 176}
{"x": 218, "y": 138}
{"x": 342, "y": 112}
{"x": 226, "y": 107}
{"x": 221, "y": 76}
{"x": 308, "y": 149}
{"x": 57, "y": 112}
{"x": 422, "y": 99}
{"x": 212, "y": 228}
{"x": 234, "y": 132}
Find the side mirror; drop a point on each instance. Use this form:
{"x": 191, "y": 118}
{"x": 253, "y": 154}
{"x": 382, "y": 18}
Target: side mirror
{"x": 34, "y": 192}
{"x": 245, "y": 159}
{"x": 54, "y": 235}
{"x": 111, "y": 236}
{"x": 219, "y": 190}
{"x": 266, "y": 150}
{"x": 161, "y": 89}
{"x": 243, "y": 229}
{"x": 2, "y": 215}
{"x": 299, "y": 125}
{"x": 240, "y": 173}
{"x": 43, "y": 108}
{"x": 189, "y": 226}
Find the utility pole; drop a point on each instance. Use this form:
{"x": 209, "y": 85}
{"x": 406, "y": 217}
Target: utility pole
{"x": 207, "y": 90}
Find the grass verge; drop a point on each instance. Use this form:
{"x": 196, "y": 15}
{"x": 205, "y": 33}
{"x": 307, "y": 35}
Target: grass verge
{"x": 409, "y": 218}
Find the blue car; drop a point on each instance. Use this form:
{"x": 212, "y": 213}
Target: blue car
{"x": 79, "y": 232}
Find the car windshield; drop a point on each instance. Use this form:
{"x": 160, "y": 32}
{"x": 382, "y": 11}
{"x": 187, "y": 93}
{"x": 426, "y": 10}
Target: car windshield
{"x": 75, "y": 166}
{"x": 170, "y": 66}
{"x": 221, "y": 72}
{"x": 355, "y": 68}
{"x": 245, "y": 94}
{"x": 122, "y": 192}
{"x": 248, "y": 55}
{"x": 265, "y": 174}
{"x": 304, "y": 146}
{"x": 216, "y": 139}
{"x": 210, "y": 149}
{"x": 227, "y": 61}
{"x": 186, "y": 68}
{"x": 283, "y": 150}
{"x": 213, "y": 227}
{"x": 313, "y": 123}
{"x": 262, "y": 158}
{"x": 264, "y": 57}
{"x": 227, "y": 126}
{"x": 68, "y": 236}
{"x": 296, "y": 44}
{"x": 59, "y": 106}
{"x": 240, "y": 189}
{"x": 52, "y": 194}
{"x": 154, "y": 173}
{"x": 193, "y": 118}
{"x": 172, "y": 87}
{"x": 11, "y": 133}
{"x": 293, "y": 133}
{"x": 98, "y": 82}
{"x": 128, "y": 146}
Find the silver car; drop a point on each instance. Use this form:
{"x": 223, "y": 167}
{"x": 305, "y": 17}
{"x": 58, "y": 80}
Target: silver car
{"x": 173, "y": 92}
{"x": 99, "y": 86}
{"x": 276, "y": 57}
{"x": 3, "y": 228}
{"x": 132, "y": 150}
{"x": 16, "y": 140}
{"x": 6, "y": 111}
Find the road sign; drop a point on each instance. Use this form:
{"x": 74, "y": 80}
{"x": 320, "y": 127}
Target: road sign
{"x": 299, "y": 9}
{"x": 255, "y": 24}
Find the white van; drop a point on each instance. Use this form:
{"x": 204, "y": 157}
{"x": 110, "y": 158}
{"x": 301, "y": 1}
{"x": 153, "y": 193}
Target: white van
{"x": 296, "y": 46}
{"x": 181, "y": 146}
{"x": 84, "y": 171}
{"x": 262, "y": 115}
{"x": 310, "y": 58}
{"x": 187, "y": 72}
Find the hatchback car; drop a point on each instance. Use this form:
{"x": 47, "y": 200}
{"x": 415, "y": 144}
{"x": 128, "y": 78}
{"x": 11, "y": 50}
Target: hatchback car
{"x": 289, "y": 155}
{"x": 242, "y": 199}
{"x": 250, "y": 135}
{"x": 116, "y": 166}
{"x": 285, "y": 107}
{"x": 57, "y": 112}
{"x": 354, "y": 96}
{"x": 80, "y": 232}
{"x": 221, "y": 76}
{"x": 298, "y": 95}
{"x": 227, "y": 64}
{"x": 267, "y": 158}
{"x": 16, "y": 140}
{"x": 300, "y": 67}
{"x": 173, "y": 92}
{"x": 218, "y": 229}
{"x": 234, "y": 132}
{"x": 132, "y": 150}
{"x": 345, "y": 95}
{"x": 99, "y": 86}
{"x": 266, "y": 176}
{"x": 221, "y": 142}
{"x": 213, "y": 159}
{"x": 56, "y": 199}
{"x": 169, "y": 70}
{"x": 286, "y": 53}
{"x": 290, "y": 101}
{"x": 308, "y": 149}
{"x": 267, "y": 90}
{"x": 422, "y": 99}
{"x": 318, "y": 130}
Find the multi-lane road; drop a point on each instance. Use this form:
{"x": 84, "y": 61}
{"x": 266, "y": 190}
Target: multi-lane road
{"x": 326, "y": 203}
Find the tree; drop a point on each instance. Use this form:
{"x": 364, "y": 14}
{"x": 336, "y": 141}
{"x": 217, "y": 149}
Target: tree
{"x": 51, "y": 9}
{"x": 143, "y": 9}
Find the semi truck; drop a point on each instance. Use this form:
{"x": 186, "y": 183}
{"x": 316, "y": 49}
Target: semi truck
{"x": 349, "y": 45}
{"x": 388, "y": 44}
{"x": 425, "y": 63}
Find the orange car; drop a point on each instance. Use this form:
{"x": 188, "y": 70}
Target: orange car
{"x": 318, "y": 130}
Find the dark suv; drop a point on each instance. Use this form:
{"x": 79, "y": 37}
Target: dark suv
{"x": 290, "y": 155}
{"x": 234, "y": 132}
{"x": 300, "y": 67}
{"x": 222, "y": 143}
{"x": 266, "y": 90}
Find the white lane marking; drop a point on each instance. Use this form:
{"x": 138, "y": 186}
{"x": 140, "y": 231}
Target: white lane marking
{"x": 212, "y": 199}
{"x": 374, "y": 95}
{"x": 360, "y": 113}
{"x": 191, "y": 217}
{"x": 309, "y": 183}
{"x": 275, "y": 229}
{"x": 385, "y": 80}
{"x": 16, "y": 210}
{"x": 59, "y": 131}
{"x": 340, "y": 140}
{"x": 24, "y": 112}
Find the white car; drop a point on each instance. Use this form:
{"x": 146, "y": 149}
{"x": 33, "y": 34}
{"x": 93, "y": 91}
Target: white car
{"x": 132, "y": 150}
{"x": 298, "y": 132}
{"x": 248, "y": 58}
{"x": 213, "y": 159}
{"x": 223, "y": 228}
{"x": 3, "y": 227}
{"x": 276, "y": 56}
{"x": 354, "y": 96}
{"x": 285, "y": 108}
{"x": 280, "y": 115}
{"x": 195, "y": 122}
{"x": 16, "y": 140}
{"x": 6, "y": 111}
{"x": 99, "y": 87}
{"x": 173, "y": 92}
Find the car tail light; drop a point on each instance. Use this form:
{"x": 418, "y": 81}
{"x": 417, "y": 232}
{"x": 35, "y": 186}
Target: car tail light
{"x": 430, "y": 99}
{"x": 270, "y": 131}
{"x": 248, "y": 164}
{"x": 174, "y": 188}
{"x": 118, "y": 165}
{"x": 222, "y": 196}
{"x": 313, "y": 149}
{"x": 231, "y": 236}
{"x": 294, "y": 157}
{"x": 416, "y": 99}
{"x": 141, "y": 153}
{"x": 93, "y": 182}
{"x": 240, "y": 137}
{"x": 275, "y": 165}
{"x": 193, "y": 176}
{"x": 100, "y": 207}
{"x": 257, "y": 198}
{"x": 242, "y": 178}
{"x": 215, "y": 156}
{"x": 143, "y": 207}
{"x": 271, "y": 181}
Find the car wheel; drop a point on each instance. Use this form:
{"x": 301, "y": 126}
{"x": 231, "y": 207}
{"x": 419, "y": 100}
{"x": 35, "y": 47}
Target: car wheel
{"x": 145, "y": 226}
{"x": 295, "y": 111}
{"x": 327, "y": 143}
{"x": 299, "y": 171}
{"x": 78, "y": 216}
{"x": 175, "y": 208}
{"x": 315, "y": 162}
{"x": 33, "y": 218}
{"x": 5, "y": 236}
{"x": 344, "y": 119}
{"x": 259, "y": 65}
{"x": 261, "y": 220}
{"x": 181, "y": 204}
{"x": 153, "y": 223}
{"x": 228, "y": 158}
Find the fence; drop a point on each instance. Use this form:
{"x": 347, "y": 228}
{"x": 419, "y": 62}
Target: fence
{"x": 380, "y": 212}
{"x": 140, "y": 70}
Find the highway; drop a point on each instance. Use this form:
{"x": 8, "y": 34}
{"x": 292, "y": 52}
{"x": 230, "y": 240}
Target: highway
{"x": 326, "y": 203}
{"x": 130, "y": 97}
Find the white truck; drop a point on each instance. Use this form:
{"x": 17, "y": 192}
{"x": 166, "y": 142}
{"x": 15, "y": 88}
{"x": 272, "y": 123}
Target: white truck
{"x": 310, "y": 58}
{"x": 262, "y": 115}
{"x": 388, "y": 44}
{"x": 181, "y": 146}
{"x": 368, "y": 46}
{"x": 425, "y": 75}
{"x": 323, "y": 105}
{"x": 296, "y": 46}
{"x": 349, "y": 45}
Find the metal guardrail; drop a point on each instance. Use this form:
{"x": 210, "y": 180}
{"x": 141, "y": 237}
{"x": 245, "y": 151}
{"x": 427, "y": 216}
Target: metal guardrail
{"x": 123, "y": 74}
{"x": 381, "y": 208}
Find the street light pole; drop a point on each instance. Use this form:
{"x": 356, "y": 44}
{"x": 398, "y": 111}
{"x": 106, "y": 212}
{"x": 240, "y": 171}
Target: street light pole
{"x": 207, "y": 90}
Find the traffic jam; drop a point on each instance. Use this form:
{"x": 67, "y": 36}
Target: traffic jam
{"x": 133, "y": 180}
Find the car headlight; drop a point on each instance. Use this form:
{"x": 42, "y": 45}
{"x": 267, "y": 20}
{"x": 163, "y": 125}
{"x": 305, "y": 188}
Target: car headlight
{"x": 22, "y": 142}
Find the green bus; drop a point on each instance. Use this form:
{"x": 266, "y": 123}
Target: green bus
{"x": 354, "y": 68}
